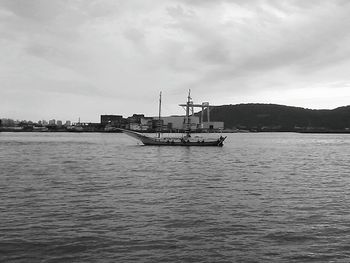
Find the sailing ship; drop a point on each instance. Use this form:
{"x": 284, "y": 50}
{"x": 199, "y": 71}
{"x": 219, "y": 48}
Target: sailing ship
{"x": 185, "y": 140}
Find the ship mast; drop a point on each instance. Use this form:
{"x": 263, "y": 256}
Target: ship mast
{"x": 188, "y": 119}
{"x": 159, "y": 113}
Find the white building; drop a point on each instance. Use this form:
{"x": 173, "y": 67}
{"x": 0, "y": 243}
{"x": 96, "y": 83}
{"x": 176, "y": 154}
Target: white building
{"x": 179, "y": 122}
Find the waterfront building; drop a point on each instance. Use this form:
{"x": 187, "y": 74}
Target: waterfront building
{"x": 135, "y": 118}
{"x": 178, "y": 122}
{"x": 146, "y": 123}
{"x": 52, "y": 122}
{"x": 213, "y": 125}
{"x": 135, "y": 126}
{"x": 7, "y": 123}
{"x": 59, "y": 123}
{"x": 112, "y": 120}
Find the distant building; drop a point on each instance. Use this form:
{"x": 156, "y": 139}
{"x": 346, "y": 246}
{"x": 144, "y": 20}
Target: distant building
{"x": 135, "y": 126}
{"x": 157, "y": 124}
{"x": 7, "y": 123}
{"x": 68, "y": 123}
{"x": 146, "y": 123}
{"x": 112, "y": 120}
{"x": 135, "y": 118}
{"x": 59, "y": 123}
{"x": 134, "y": 122}
{"x": 52, "y": 122}
{"x": 179, "y": 122}
{"x": 213, "y": 125}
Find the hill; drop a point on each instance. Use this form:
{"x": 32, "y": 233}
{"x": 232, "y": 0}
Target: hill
{"x": 273, "y": 117}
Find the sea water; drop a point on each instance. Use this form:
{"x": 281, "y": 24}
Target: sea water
{"x": 89, "y": 197}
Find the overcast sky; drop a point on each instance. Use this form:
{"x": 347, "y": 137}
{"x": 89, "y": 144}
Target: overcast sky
{"x": 66, "y": 59}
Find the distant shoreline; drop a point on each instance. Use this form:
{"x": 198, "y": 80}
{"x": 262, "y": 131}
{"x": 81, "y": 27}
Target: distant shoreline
{"x": 225, "y": 131}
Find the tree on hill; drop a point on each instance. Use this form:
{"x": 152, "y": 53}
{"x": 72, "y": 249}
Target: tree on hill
{"x": 279, "y": 117}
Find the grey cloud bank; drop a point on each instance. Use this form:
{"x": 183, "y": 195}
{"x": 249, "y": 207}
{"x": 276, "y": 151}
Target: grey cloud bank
{"x": 69, "y": 59}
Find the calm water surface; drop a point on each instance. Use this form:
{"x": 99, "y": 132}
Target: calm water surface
{"x": 263, "y": 197}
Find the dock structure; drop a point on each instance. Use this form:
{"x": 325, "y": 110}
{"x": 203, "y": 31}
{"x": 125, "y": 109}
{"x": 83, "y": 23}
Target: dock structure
{"x": 204, "y": 106}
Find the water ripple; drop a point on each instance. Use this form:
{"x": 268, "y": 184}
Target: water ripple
{"x": 103, "y": 198}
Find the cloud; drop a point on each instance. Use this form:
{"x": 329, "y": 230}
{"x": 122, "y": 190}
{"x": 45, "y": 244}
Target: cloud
{"x": 302, "y": 39}
{"x": 36, "y": 11}
{"x": 127, "y": 51}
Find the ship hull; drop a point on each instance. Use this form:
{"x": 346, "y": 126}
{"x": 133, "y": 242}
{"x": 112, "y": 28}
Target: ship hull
{"x": 146, "y": 140}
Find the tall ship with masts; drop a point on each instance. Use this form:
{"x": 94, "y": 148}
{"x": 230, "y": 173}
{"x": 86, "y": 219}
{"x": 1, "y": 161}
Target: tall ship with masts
{"x": 185, "y": 140}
